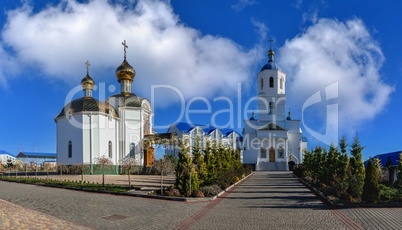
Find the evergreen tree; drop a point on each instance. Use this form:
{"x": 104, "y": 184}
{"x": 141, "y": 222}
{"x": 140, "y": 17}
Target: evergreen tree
{"x": 198, "y": 161}
{"x": 343, "y": 145}
{"x": 378, "y": 169}
{"x": 356, "y": 169}
{"x": 209, "y": 164}
{"x": 331, "y": 164}
{"x": 371, "y": 192}
{"x": 399, "y": 175}
{"x": 186, "y": 174}
{"x": 341, "y": 183}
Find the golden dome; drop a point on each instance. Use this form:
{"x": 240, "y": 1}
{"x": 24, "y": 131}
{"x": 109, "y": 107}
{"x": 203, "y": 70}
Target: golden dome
{"x": 125, "y": 72}
{"x": 271, "y": 52}
{"x": 87, "y": 82}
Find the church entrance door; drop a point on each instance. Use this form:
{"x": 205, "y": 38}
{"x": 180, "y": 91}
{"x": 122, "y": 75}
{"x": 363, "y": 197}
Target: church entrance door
{"x": 272, "y": 155}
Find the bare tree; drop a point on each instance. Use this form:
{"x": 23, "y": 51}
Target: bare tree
{"x": 163, "y": 166}
{"x": 79, "y": 168}
{"x": 17, "y": 166}
{"x": 129, "y": 164}
{"x": 104, "y": 162}
{"x": 62, "y": 168}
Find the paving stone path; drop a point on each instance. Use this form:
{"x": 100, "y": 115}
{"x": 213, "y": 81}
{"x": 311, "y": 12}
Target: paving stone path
{"x": 266, "y": 200}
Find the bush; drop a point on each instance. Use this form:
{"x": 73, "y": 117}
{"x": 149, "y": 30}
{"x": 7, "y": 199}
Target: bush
{"x": 211, "y": 190}
{"x": 387, "y": 192}
{"x": 224, "y": 186}
{"x": 198, "y": 194}
{"x": 329, "y": 191}
{"x": 236, "y": 179}
{"x": 171, "y": 191}
{"x": 346, "y": 197}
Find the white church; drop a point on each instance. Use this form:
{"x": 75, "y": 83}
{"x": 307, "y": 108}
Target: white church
{"x": 88, "y": 128}
{"x": 272, "y": 139}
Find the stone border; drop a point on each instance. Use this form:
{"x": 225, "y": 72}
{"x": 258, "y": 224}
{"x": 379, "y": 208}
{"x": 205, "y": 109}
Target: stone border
{"x": 333, "y": 205}
{"x": 191, "y": 199}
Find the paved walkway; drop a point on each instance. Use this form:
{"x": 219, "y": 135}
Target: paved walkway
{"x": 266, "y": 200}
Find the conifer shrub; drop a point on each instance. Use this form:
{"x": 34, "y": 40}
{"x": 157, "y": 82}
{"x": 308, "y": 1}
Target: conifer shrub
{"x": 371, "y": 192}
{"x": 388, "y": 192}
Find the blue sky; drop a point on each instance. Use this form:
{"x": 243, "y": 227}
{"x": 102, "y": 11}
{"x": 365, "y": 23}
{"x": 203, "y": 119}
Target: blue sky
{"x": 206, "y": 53}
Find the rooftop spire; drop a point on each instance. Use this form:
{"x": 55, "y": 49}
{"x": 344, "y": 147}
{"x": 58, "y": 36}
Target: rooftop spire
{"x": 125, "y": 47}
{"x": 87, "y": 82}
{"x": 88, "y": 65}
{"x": 271, "y": 53}
{"x": 125, "y": 73}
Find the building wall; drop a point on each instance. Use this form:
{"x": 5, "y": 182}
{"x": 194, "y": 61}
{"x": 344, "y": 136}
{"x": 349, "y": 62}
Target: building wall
{"x": 69, "y": 130}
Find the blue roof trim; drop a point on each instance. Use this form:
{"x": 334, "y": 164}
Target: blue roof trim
{"x": 390, "y": 158}
{"x": 33, "y": 154}
{"x": 304, "y": 139}
{"x": 186, "y": 127}
{"x": 6, "y": 153}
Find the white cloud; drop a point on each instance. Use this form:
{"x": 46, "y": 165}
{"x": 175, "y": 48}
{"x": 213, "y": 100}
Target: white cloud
{"x": 59, "y": 39}
{"x": 332, "y": 51}
{"x": 241, "y": 4}
{"x": 261, "y": 30}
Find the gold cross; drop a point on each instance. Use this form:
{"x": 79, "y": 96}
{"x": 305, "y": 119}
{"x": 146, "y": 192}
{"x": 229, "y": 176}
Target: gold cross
{"x": 88, "y": 65}
{"x": 270, "y": 41}
{"x": 125, "y": 47}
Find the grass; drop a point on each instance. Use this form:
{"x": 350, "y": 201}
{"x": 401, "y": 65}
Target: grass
{"x": 68, "y": 184}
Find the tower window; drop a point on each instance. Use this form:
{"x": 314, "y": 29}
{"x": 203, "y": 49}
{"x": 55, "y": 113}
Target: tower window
{"x": 281, "y": 83}
{"x": 262, "y": 83}
{"x": 271, "y": 82}
{"x": 70, "y": 149}
{"x": 272, "y": 107}
{"x": 110, "y": 149}
{"x": 263, "y": 153}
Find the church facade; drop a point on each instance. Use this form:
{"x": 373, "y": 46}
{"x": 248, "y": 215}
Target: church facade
{"x": 271, "y": 138}
{"x": 88, "y": 129}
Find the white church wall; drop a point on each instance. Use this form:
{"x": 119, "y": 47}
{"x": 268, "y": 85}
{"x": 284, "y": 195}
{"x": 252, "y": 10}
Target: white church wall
{"x": 294, "y": 147}
{"x": 107, "y": 134}
{"x": 67, "y": 132}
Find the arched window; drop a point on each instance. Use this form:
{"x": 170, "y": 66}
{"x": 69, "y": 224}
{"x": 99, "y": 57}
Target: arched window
{"x": 271, "y": 82}
{"x": 281, "y": 83}
{"x": 132, "y": 149}
{"x": 70, "y": 149}
{"x": 110, "y": 150}
{"x": 272, "y": 107}
{"x": 262, "y": 83}
{"x": 263, "y": 153}
{"x": 281, "y": 152}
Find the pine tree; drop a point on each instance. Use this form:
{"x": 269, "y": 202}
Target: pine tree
{"x": 371, "y": 192}
{"x": 341, "y": 171}
{"x": 399, "y": 175}
{"x": 198, "y": 161}
{"x": 209, "y": 164}
{"x": 186, "y": 174}
{"x": 356, "y": 169}
{"x": 378, "y": 169}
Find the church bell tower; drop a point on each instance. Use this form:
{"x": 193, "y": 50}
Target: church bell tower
{"x": 271, "y": 91}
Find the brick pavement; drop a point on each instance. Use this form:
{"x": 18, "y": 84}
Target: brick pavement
{"x": 16, "y": 217}
{"x": 99, "y": 211}
{"x": 267, "y": 200}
